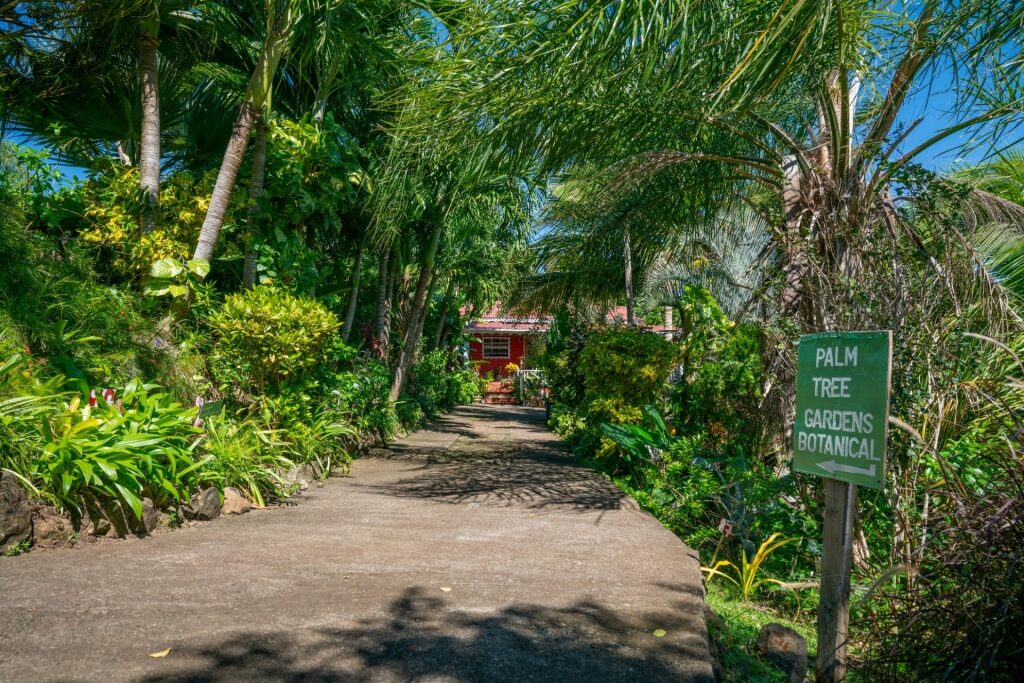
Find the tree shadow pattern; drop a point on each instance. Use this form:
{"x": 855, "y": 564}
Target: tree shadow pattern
{"x": 421, "y": 639}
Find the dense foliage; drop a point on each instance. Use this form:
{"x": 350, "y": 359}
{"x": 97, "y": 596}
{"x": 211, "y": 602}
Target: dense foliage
{"x": 290, "y": 205}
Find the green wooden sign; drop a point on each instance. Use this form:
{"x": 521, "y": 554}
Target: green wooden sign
{"x": 842, "y": 406}
{"x": 210, "y": 408}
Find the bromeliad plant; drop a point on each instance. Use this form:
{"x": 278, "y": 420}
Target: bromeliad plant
{"x": 744, "y": 575}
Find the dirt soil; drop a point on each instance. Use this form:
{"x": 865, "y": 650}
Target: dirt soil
{"x": 472, "y": 551}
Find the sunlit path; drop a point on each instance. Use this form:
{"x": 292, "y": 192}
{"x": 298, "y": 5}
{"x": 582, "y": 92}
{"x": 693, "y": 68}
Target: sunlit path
{"x": 473, "y": 551}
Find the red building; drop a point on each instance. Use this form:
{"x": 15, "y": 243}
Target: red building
{"x": 501, "y": 338}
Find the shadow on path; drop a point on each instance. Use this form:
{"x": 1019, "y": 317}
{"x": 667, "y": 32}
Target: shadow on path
{"x": 538, "y": 481}
{"x": 421, "y": 639}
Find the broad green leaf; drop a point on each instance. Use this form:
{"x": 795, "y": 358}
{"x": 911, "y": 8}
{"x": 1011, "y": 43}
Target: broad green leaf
{"x": 200, "y": 267}
{"x": 166, "y": 268}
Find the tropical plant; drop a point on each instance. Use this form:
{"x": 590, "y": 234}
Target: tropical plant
{"x": 745, "y": 575}
{"x": 246, "y": 456}
{"x": 100, "y": 458}
{"x": 265, "y": 336}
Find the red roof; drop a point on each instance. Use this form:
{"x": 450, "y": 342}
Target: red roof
{"x": 496, "y": 320}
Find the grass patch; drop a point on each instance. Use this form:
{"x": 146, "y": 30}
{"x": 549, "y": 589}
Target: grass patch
{"x": 741, "y": 622}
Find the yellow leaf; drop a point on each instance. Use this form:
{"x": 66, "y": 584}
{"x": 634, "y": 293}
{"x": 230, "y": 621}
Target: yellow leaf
{"x": 659, "y": 633}
{"x": 162, "y": 653}
{"x": 446, "y": 589}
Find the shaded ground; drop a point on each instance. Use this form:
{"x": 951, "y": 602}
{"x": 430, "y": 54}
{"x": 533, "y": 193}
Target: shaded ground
{"x": 474, "y": 551}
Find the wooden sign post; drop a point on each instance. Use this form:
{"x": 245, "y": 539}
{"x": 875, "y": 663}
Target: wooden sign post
{"x": 842, "y": 411}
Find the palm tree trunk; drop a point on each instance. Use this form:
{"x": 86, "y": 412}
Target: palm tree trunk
{"x": 149, "y": 142}
{"x": 628, "y": 253}
{"x": 350, "y": 314}
{"x": 413, "y": 326}
{"x": 259, "y": 165}
{"x": 443, "y": 317}
{"x": 383, "y": 302}
{"x": 256, "y": 96}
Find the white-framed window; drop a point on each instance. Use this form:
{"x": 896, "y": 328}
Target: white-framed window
{"x": 495, "y": 347}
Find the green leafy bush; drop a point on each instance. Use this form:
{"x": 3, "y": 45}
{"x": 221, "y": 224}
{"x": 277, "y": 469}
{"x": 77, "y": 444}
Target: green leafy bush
{"x": 25, "y": 402}
{"x": 409, "y": 413}
{"x": 321, "y": 441}
{"x": 360, "y": 395}
{"x": 564, "y": 421}
{"x": 107, "y": 459}
{"x": 439, "y": 382}
{"x": 266, "y": 336}
{"x": 626, "y": 364}
{"x": 246, "y": 456}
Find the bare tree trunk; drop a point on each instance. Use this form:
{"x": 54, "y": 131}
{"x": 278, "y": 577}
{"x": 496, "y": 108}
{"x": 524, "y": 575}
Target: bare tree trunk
{"x": 350, "y": 314}
{"x": 259, "y": 165}
{"x": 412, "y": 326}
{"x": 257, "y": 94}
{"x": 421, "y": 322}
{"x": 149, "y": 140}
{"x": 122, "y": 154}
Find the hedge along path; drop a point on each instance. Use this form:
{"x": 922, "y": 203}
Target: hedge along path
{"x": 474, "y": 550}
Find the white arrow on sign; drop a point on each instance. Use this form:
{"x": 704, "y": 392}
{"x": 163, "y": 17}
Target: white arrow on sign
{"x": 831, "y": 466}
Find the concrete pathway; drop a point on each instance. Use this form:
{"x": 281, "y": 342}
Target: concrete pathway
{"x": 473, "y": 551}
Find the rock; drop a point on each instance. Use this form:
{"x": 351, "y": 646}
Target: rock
{"x": 204, "y": 506}
{"x": 15, "y": 515}
{"x": 234, "y": 502}
{"x": 51, "y": 530}
{"x": 150, "y": 517}
{"x": 303, "y": 484}
{"x": 301, "y": 473}
{"x": 785, "y": 648}
{"x": 100, "y": 526}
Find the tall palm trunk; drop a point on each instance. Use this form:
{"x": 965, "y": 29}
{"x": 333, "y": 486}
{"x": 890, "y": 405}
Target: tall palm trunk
{"x": 627, "y": 249}
{"x": 259, "y": 165}
{"x": 383, "y": 302}
{"x": 149, "y": 142}
{"x": 413, "y": 327}
{"x": 257, "y": 94}
{"x": 350, "y": 314}
{"x": 443, "y": 317}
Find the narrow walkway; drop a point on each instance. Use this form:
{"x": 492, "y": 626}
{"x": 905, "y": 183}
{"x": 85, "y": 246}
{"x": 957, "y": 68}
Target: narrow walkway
{"x": 473, "y": 551}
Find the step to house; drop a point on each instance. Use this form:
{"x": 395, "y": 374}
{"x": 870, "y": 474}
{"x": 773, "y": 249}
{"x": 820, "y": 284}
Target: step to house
{"x": 499, "y": 394}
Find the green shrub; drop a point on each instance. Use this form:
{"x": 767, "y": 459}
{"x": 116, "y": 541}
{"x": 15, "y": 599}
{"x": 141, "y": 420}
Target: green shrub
{"x": 439, "y": 382}
{"x": 25, "y": 402}
{"x": 409, "y": 413}
{"x": 360, "y": 395}
{"x": 564, "y": 422}
{"x": 246, "y": 456}
{"x": 321, "y": 441}
{"x": 724, "y": 387}
{"x": 103, "y": 458}
{"x": 626, "y": 364}
{"x": 264, "y": 337}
